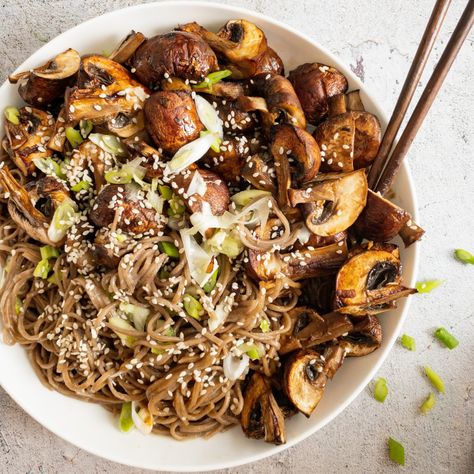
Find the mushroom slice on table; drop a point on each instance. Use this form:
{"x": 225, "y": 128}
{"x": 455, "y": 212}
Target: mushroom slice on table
{"x": 365, "y": 337}
{"x": 333, "y": 202}
{"x": 172, "y": 120}
{"x": 105, "y": 89}
{"x": 306, "y": 374}
{"x": 176, "y": 54}
{"x": 127, "y": 47}
{"x": 348, "y": 141}
{"x": 370, "y": 280}
{"x": 261, "y": 416}
{"x": 28, "y": 140}
{"x": 32, "y": 207}
{"x": 314, "y": 83}
{"x": 45, "y": 84}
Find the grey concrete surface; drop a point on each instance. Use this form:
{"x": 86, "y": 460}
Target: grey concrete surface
{"x": 378, "y": 39}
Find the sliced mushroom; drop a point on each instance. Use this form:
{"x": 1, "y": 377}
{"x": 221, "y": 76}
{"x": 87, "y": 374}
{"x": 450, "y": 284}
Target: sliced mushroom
{"x": 227, "y": 90}
{"x": 411, "y": 232}
{"x": 297, "y": 265}
{"x": 381, "y": 220}
{"x": 172, "y": 120}
{"x": 44, "y": 85}
{"x": 314, "y": 83}
{"x": 127, "y": 47}
{"x": 176, "y": 54}
{"x": 333, "y": 203}
{"x": 319, "y": 241}
{"x": 306, "y": 374}
{"x": 107, "y": 249}
{"x": 152, "y": 159}
{"x": 234, "y": 118}
{"x": 261, "y": 416}
{"x": 58, "y": 138}
{"x": 28, "y": 140}
{"x": 271, "y": 63}
{"x": 258, "y": 173}
{"x": 126, "y": 126}
{"x": 365, "y": 337}
{"x": 318, "y": 293}
{"x": 216, "y": 195}
{"x": 105, "y": 89}
{"x": 32, "y": 207}
{"x": 348, "y": 141}
{"x": 300, "y": 318}
{"x": 122, "y": 207}
{"x": 175, "y": 84}
{"x": 370, "y": 280}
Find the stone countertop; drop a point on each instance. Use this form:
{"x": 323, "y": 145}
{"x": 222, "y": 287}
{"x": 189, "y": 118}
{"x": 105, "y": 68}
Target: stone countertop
{"x": 378, "y": 39}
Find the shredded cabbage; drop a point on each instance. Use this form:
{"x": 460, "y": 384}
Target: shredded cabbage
{"x": 197, "y": 185}
{"x": 142, "y": 419}
{"x": 235, "y": 367}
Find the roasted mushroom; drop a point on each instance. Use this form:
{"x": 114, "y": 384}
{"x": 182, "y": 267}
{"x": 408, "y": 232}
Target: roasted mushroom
{"x": 411, "y": 232}
{"x": 306, "y": 373}
{"x": 234, "y": 118}
{"x": 28, "y": 140}
{"x": 109, "y": 247}
{"x": 44, "y": 85}
{"x": 259, "y": 173}
{"x": 125, "y": 126}
{"x": 152, "y": 159}
{"x": 122, "y": 207}
{"x": 333, "y": 202}
{"x": 32, "y": 207}
{"x": 176, "y": 54}
{"x": 348, "y": 141}
{"x": 314, "y": 83}
{"x": 365, "y": 337}
{"x": 261, "y": 416}
{"x": 105, "y": 89}
{"x": 58, "y": 138}
{"x": 172, "y": 120}
{"x": 127, "y": 47}
{"x": 370, "y": 280}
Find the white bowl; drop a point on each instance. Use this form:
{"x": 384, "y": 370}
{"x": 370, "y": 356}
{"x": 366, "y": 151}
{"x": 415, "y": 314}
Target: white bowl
{"x": 89, "y": 426}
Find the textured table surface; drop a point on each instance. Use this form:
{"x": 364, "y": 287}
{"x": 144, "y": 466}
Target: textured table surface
{"x": 378, "y": 39}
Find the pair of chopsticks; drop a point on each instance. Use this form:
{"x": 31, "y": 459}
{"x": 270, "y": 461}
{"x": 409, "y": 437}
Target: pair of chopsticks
{"x": 385, "y": 166}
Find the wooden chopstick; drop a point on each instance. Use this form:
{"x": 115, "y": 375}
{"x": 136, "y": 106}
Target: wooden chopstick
{"x": 427, "y": 98}
{"x": 413, "y": 77}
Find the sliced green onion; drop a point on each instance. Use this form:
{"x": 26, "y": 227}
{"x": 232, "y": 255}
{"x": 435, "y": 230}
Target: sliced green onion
{"x": 49, "y": 166}
{"x": 254, "y": 351}
{"x": 48, "y": 251}
{"x": 53, "y": 279}
{"x": 163, "y": 274}
{"x": 118, "y": 323}
{"x": 42, "y": 269}
{"x": 170, "y": 332}
{"x": 428, "y": 404}
{"x": 381, "y": 390}
{"x": 190, "y": 153}
{"x": 408, "y": 342}
{"x": 85, "y": 126}
{"x": 243, "y": 198}
{"x": 434, "y": 378}
{"x": 120, "y": 238}
{"x": 63, "y": 219}
{"x": 18, "y": 305}
{"x": 138, "y": 314}
{"x": 216, "y": 146}
{"x": 427, "y": 286}
{"x": 165, "y": 192}
{"x": 125, "y": 420}
{"x": 177, "y": 206}
{"x": 169, "y": 249}
{"x": 192, "y": 306}
{"x": 213, "y": 78}
{"x": 226, "y": 243}
{"x": 109, "y": 143}
{"x": 464, "y": 256}
{"x": 446, "y": 338}
{"x": 211, "y": 283}
{"x": 396, "y": 452}
{"x": 264, "y": 325}
{"x": 12, "y": 114}
{"x": 74, "y": 137}
{"x": 81, "y": 186}
{"x": 120, "y": 176}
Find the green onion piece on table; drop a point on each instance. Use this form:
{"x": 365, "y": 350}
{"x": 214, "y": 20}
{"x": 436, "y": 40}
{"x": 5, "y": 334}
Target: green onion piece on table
{"x": 427, "y": 286}
{"x": 464, "y": 256}
{"x": 446, "y": 338}
{"x": 396, "y": 451}
{"x": 428, "y": 404}
{"x": 434, "y": 378}
{"x": 408, "y": 342}
{"x": 381, "y": 390}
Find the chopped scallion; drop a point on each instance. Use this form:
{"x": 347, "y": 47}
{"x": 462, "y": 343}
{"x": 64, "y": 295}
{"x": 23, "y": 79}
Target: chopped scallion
{"x": 120, "y": 176}
{"x": 211, "y": 283}
{"x": 213, "y": 78}
{"x": 396, "y": 451}
{"x": 81, "y": 186}
{"x": 408, "y": 342}
{"x": 165, "y": 192}
{"x": 254, "y": 351}
{"x": 446, "y": 338}
{"x": 428, "y": 404}
{"x": 48, "y": 251}
{"x": 192, "y": 306}
{"x": 264, "y": 325}
{"x": 74, "y": 137}
{"x": 49, "y": 166}
{"x": 125, "y": 420}
{"x": 18, "y": 306}
{"x": 169, "y": 249}
{"x": 12, "y": 114}
{"x": 177, "y": 206}
{"x": 434, "y": 378}
{"x": 427, "y": 286}
{"x": 381, "y": 390}
{"x": 42, "y": 269}
{"x": 464, "y": 256}
{"x": 85, "y": 127}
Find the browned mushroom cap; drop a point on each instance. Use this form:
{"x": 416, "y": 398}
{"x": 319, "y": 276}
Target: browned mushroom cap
{"x": 306, "y": 374}
{"x": 348, "y": 141}
{"x": 261, "y": 416}
{"x": 270, "y": 62}
{"x": 28, "y": 140}
{"x": 177, "y": 54}
{"x": 32, "y": 207}
{"x": 230, "y": 159}
{"x": 297, "y": 265}
{"x": 241, "y": 43}
{"x": 123, "y": 206}
{"x": 333, "y": 203}
{"x": 153, "y": 159}
{"x": 105, "y": 89}
{"x": 172, "y": 120}
{"x": 43, "y": 85}
{"x": 297, "y": 147}
{"x": 411, "y": 232}
{"x": 314, "y": 83}
{"x": 125, "y": 126}
{"x": 259, "y": 173}
{"x": 381, "y": 220}
{"x": 234, "y": 118}
{"x": 216, "y": 195}
{"x": 107, "y": 249}
{"x": 281, "y": 100}
{"x": 127, "y": 47}
{"x": 319, "y": 241}
{"x": 365, "y": 337}
{"x": 370, "y": 280}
